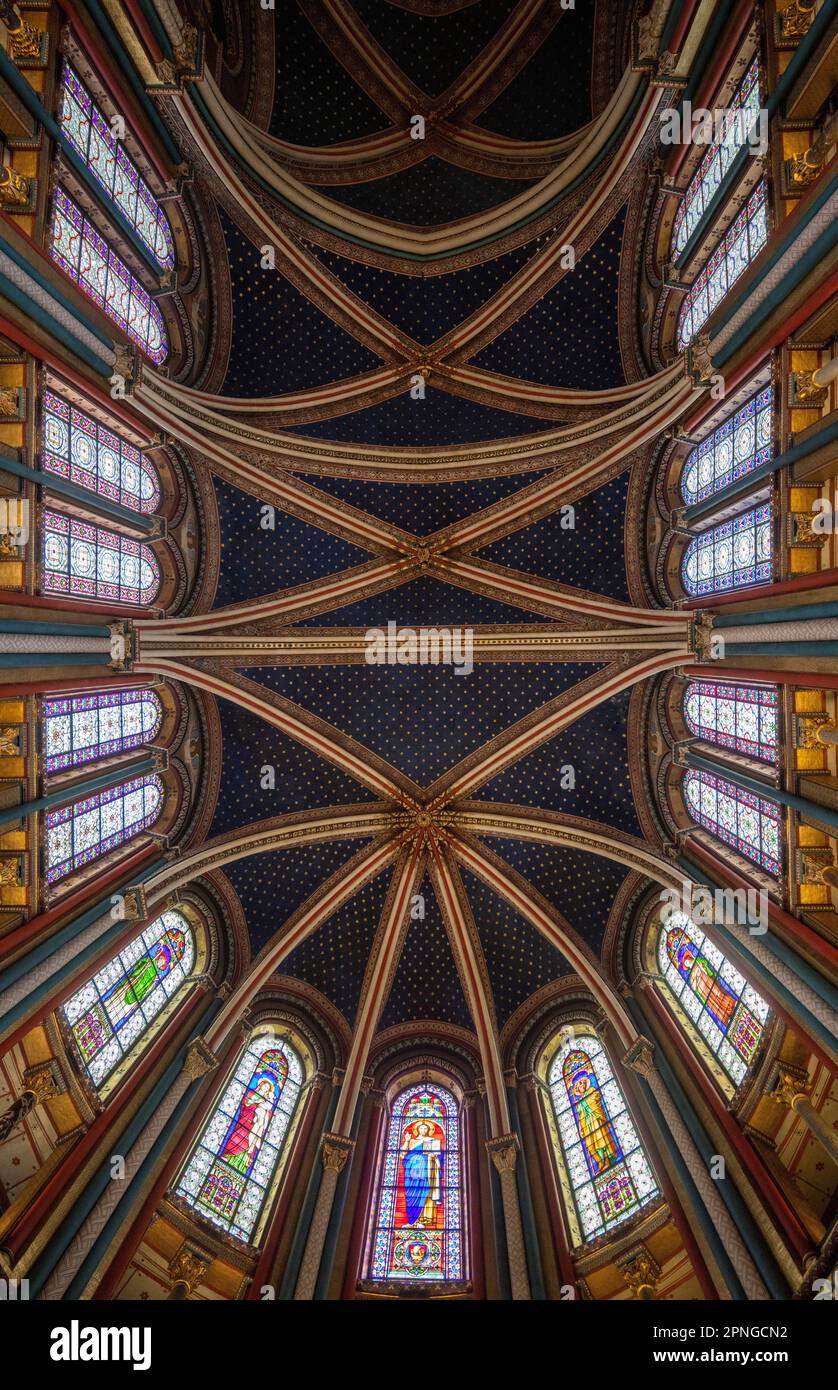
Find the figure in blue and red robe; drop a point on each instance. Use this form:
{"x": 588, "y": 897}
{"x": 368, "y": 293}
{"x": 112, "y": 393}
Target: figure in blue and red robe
{"x": 419, "y": 1199}
{"x": 701, "y": 977}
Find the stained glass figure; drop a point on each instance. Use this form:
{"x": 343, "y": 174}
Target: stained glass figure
{"x": 738, "y": 247}
{"x": 229, "y": 1173}
{"x": 112, "y": 167}
{"x": 418, "y": 1228}
{"x": 87, "y": 829}
{"x": 96, "y": 268}
{"x": 82, "y": 728}
{"x": 732, "y": 555}
{"x": 610, "y": 1176}
{"x": 729, "y": 1015}
{"x": 734, "y": 132}
{"x": 78, "y": 448}
{"x": 741, "y": 717}
{"x": 750, "y": 823}
{"x": 109, "y": 1015}
{"x": 740, "y": 444}
{"x": 81, "y": 560}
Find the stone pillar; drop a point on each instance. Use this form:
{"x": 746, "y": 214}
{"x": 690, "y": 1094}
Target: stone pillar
{"x": 334, "y": 1152}
{"x": 504, "y": 1154}
{"x": 793, "y": 1091}
{"x": 41, "y": 1082}
{"x": 640, "y": 1058}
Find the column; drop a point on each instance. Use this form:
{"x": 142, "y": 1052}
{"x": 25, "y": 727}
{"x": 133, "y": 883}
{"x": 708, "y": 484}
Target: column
{"x": 793, "y": 1091}
{"x": 504, "y": 1154}
{"x": 334, "y": 1151}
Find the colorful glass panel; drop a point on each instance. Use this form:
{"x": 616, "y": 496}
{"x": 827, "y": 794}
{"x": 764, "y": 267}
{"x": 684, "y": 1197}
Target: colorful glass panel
{"x": 750, "y": 823}
{"x": 729, "y": 1015}
{"x": 82, "y": 728}
{"x": 109, "y": 1015}
{"x": 741, "y": 717}
{"x": 106, "y": 158}
{"x": 733, "y": 133}
{"x": 734, "y": 253}
{"x": 739, "y": 445}
{"x": 229, "y": 1173}
{"x": 610, "y": 1175}
{"x": 88, "y": 260}
{"x": 85, "y": 561}
{"x": 78, "y": 448}
{"x": 87, "y": 829}
{"x": 733, "y": 555}
{"x": 418, "y": 1229}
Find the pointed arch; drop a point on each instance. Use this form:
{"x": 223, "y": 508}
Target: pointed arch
{"x": 80, "y": 560}
{"x": 733, "y": 555}
{"x": 80, "y": 729}
{"x": 750, "y": 823}
{"x": 86, "y": 829}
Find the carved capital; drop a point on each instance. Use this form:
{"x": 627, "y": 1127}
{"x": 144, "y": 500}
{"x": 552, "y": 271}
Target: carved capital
{"x": 504, "y": 1152}
{"x": 199, "y": 1060}
{"x": 641, "y": 1271}
{"x": 789, "y": 1089}
{"x": 334, "y": 1152}
{"x": 188, "y": 1268}
{"x": 641, "y": 1057}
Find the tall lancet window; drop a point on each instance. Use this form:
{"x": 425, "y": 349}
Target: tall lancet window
{"x": 719, "y": 1003}
{"x": 78, "y": 448}
{"x": 419, "y": 1217}
{"x": 739, "y": 717}
{"x": 608, "y": 1172}
{"x": 82, "y": 728}
{"x": 88, "y": 828}
{"x": 108, "y": 1017}
{"x": 80, "y": 560}
{"x": 740, "y": 244}
{"x": 750, "y": 823}
{"x": 96, "y": 268}
{"x": 231, "y": 1172}
{"x": 733, "y": 555}
{"x": 113, "y": 168}
{"x": 741, "y": 443}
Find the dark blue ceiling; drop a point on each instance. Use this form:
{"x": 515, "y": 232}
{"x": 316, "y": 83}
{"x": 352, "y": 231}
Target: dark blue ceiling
{"x": 280, "y": 341}
{"x": 316, "y": 101}
{"x": 426, "y": 983}
{"x": 422, "y": 509}
{"x": 422, "y": 719}
{"x": 432, "y": 50}
{"x": 256, "y": 561}
{"x": 302, "y": 779}
{"x": 436, "y": 420}
{"x": 272, "y": 886}
{"x": 570, "y": 336}
{"x": 552, "y": 96}
{"x": 422, "y": 601}
{"x": 587, "y": 554}
{"x": 428, "y": 194}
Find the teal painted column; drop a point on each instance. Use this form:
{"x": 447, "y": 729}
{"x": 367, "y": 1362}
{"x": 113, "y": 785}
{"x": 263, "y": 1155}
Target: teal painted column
{"x": 803, "y": 613}
{"x": 534, "y": 1266}
{"x": 809, "y": 809}
{"x": 498, "y": 1220}
{"x": 137, "y": 768}
{"x": 298, "y": 1245}
{"x": 330, "y": 1242}
{"x": 140, "y": 521}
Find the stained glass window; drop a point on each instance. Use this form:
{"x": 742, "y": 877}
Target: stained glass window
{"x": 739, "y": 445}
{"x": 734, "y": 253}
{"x": 610, "y": 1175}
{"x": 733, "y": 133}
{"x": 729, "y": 1015}
{"x": 81, "y": 728}
{"x": 86, "y": 561}
{"x": 89, "y": 133}
{"x": 750, "y": 823}
{"x": 109, "y": 1015}
{"x": 88, "y": 260}
{"x": 730, "y": 556}
{"x": 228, "y": 1175}
{"x": 418, "y": 1228}
{"x": 84, "y": 831}
{"x": 81, "y": 450}
{"x": 741, "y": 717}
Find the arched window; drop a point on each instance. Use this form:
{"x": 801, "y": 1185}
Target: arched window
{"x": 733, "y": 555}
{"x": 739, "y": 445}
{"x": 88, "y": 260}
{"x": 741, "y": 717}
{"x": 108, "y": 1016}
{"x": 734, "y": 253}
{"x": 81, "y": 728}
{"x": 229, "y": 1173}
{"x": 733, "y": 133}
{"x": 751, "y": 824}
{"x": 77, "y": 448}
{"x": 89, "y": 828}
{"x": 87, "y": 561}
{"x": 89, "y": 133}
{"x": 610, "y": 1176}
{"x": 419, "y": 1221}
{"x": 729, "y": 1015}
